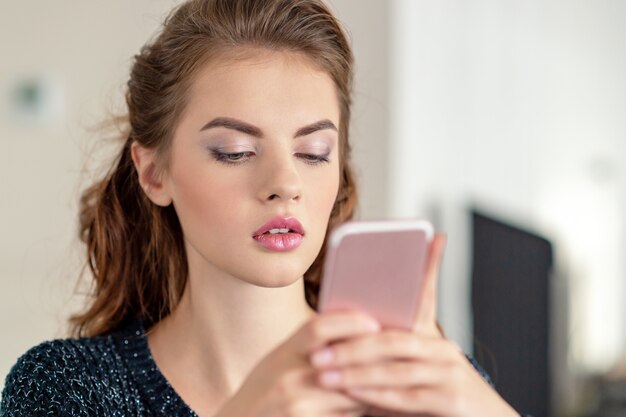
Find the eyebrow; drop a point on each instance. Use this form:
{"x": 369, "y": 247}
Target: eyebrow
{"x": 248, "y": 129}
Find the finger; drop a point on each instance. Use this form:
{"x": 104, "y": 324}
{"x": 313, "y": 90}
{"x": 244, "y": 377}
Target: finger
{"x": 395, "y": 374}
{"x": 374, "y": 411}
{"x": 307, "y": 397}
{"x": 383, "y": 346}
{"x": 334, "y": 326}
{"x": 428, "y": 401}
{"x": 427, "y": 306}
{"x": 325, "y": 401}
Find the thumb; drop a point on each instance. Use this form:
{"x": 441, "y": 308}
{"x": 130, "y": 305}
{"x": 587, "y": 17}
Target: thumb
{"x": 426, "y": 317}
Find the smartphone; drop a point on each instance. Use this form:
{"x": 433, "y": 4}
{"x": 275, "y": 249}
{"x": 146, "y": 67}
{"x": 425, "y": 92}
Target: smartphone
{"x": 376, "y": 267}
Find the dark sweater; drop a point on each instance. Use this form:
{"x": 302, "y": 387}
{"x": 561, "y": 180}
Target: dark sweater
{"x": 113, "y": 375}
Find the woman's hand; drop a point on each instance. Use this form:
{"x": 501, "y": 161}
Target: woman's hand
{"x": 283, "y": 384}
{"x": 407, "y": 373}
{"x": 399, "y": 373}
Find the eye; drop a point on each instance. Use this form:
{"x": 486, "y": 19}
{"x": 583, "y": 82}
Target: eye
{"x": 313, "y": 159}
{"x": 234, "y": 158}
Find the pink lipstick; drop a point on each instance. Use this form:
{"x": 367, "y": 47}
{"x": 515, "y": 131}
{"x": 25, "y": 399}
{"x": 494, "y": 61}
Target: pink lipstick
{"x": 280, "y": 234}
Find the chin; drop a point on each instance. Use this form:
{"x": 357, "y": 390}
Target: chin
{"x": 279, "y": 269}
{"x": 279, "y": 280}
{"x": 276, "y": 278}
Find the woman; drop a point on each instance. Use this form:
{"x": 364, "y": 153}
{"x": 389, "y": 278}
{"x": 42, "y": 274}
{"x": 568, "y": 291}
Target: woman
{"x": 207, "y": 237}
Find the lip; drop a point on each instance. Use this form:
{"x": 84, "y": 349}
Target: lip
{"x": 281, "y": 223}
{"x": 280, "y": 242}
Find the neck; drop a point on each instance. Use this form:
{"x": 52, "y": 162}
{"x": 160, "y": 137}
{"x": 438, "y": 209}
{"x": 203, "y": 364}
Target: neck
{"x": 220, "y": 330}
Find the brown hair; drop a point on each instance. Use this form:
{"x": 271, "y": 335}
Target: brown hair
{"x": 135, "y": 248}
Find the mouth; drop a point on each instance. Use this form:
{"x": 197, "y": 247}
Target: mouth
{"x": 280, "y": 225}
{"x": 279, "y": 231}
{"x": 280, "y": 234}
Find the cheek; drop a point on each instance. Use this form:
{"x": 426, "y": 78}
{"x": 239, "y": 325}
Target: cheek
{"x": 204, "y": 198}
{"x": 323, "y": 190}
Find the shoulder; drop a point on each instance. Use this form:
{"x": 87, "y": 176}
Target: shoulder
{"x": 83, "y": 350}
{"x": 63, "y": 357}
{"x": 61, "y": 377}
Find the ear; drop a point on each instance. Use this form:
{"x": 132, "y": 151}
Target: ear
{"x": 145, "y": 164}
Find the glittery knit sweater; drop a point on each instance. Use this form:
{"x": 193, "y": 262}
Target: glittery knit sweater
{"x": 112, "y": 375}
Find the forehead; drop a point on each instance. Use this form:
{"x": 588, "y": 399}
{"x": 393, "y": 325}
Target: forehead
{"x": 260, "y": 84}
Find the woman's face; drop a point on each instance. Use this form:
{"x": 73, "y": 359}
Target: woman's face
{"x": 258, "y": 141}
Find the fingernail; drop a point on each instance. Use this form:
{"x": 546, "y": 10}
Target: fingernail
{"x": 323, "y": 357}
{"x": 373, "y": 326}
{"x": 331, "y": 377}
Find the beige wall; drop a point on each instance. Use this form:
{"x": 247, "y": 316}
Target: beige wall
{"x": 83, "y": 49}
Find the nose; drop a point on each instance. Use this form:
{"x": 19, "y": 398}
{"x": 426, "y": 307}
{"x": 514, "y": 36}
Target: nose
{"x": 280, "y": 179}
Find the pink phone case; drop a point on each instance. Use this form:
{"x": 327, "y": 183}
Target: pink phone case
{"x": 377, "y": 268}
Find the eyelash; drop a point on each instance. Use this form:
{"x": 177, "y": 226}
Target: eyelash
{"x": 224, "y": 158}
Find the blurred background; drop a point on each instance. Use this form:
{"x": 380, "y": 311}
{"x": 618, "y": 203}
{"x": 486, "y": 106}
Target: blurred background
{"x": 501, "y": 121}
